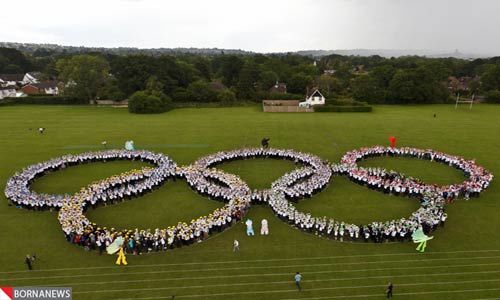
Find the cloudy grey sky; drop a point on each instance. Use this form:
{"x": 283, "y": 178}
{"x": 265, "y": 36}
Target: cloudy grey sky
{"x": 471, "y": 26}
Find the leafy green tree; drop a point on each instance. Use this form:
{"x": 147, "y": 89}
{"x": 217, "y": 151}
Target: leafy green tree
{"x": 84, "y": 75}
{"x": 202, "y": 64}
{"x": 365, "y": 88}
{"x": 329, "y": 85}
{"x": 185, "y": 74}
{"x": 493, "y": 96}
{"x": 226, "y": 96}
{"x": 14, "y": 60}
{"x": 200, "y": 91}
{"x": 142, "y": 102}
{"x": 229, "y": 68}
{"x": 151, "y": 100}
{"x": 248, "y": 78}
{"x": 180, "y": 94}
{"x": 383, "y": 75}
{"x": 132, "y": 72}
{"x": 491, "y": 78}
{"x": 154, "y": 87}
{"x": 298, "y": 83}
{"x": 12, "y": 69}
{"x": 267, "y": 80}
{"x": 416, "y": 86}
{"x": 111, "y": 91}
{"x": 403, "y": 87}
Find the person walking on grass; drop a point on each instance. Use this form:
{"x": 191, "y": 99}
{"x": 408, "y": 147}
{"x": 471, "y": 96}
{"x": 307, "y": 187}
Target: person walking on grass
{"x": 236, "y": 246}
{"x": 28, "y": 262}
{"x": 389, "y": 290}
{"x": 298, "y": 278}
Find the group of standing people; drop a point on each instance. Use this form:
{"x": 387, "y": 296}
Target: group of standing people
{"x": 478, "y": 178}
{"x": 312, "y": 175}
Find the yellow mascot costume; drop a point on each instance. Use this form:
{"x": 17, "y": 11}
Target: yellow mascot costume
{"x": 117, "y": 247}
{"x": 122, "y": 259}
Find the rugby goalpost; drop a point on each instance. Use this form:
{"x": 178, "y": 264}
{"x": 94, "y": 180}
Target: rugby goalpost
{"x": 471, "y": 101}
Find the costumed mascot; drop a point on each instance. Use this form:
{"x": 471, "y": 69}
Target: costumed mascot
{"x": 392, "y": 141}
{"x": 419, "y": 236}
{"x": 264, "y": 228}
{"x": 129, "y": 145}
{"x": 117, "y": 247}
{"x": 249, "y": 227}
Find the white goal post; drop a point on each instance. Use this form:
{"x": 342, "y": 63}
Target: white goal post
{"x": 471, "y": 101}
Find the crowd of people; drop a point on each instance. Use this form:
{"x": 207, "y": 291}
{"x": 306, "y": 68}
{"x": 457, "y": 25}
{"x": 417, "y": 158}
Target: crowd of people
{"x": 477, "y": 180}
{"x": 214, "y": 183}
{"x": 79, "y": 230}
{"x": 305, "y": 181}
{"x": 312, "y": 175}
{"x": 18, "y": 189}
{"x": 428, "y": 216}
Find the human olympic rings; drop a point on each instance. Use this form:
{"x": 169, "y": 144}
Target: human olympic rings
{"x": 202, "y": 176}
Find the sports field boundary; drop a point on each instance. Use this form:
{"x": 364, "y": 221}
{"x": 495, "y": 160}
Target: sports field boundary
{"x": 252, "y": 261}
{"x": 276, "y": 282}
{"x": 245, "y": 275}
{"x": 336, "y": 288}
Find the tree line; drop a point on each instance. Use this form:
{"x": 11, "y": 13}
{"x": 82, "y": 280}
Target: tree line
{"x": 229, "y": 78}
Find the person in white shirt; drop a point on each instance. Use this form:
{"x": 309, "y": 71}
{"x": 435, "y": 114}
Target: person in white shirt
{"x": 264, "y": 228}
{"x": 236, "y": 246}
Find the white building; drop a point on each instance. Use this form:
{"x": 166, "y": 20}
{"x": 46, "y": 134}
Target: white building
{"x": 11, "y": 79}
{"x": 314, "y": 97}
{"x": 8, "y": 91}
{"x": 31, "y": 78}
{"x": 45, "y": 87}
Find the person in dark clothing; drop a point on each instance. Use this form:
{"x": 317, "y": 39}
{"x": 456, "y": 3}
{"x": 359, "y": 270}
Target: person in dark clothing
{"x": 27, "y": 261}
{"x": 389, "y": 290}
{"x": 265, "y": 142}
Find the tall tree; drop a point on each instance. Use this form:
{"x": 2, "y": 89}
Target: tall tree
{"x": 248, "y": 78}
{"x": 328, "y": 85}
{"x": 298, "y": 83}
{"x": 12, "y": 60}
{"x": 365, "y": 88}
{"x": 84, "y": 75}
{"x": 491, "y": 78}
{"x": 229, "y": 67}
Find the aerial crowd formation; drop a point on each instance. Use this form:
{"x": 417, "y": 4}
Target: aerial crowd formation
{"x": 312, "y": 175}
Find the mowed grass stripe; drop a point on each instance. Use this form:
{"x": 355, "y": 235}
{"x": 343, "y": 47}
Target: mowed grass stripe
{"x": 293, "y": 290}
{"x": 468, "y": 134}
{"x": 253, "y": 261}
{"x": 308, "y": 281}
{"x": 303, "y": 267}
{"x": 249, "y": 275}
{"x": 379, "y": 295}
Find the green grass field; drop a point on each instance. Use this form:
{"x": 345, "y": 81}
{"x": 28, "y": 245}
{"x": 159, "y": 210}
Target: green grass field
{"x": 462, "y": 262}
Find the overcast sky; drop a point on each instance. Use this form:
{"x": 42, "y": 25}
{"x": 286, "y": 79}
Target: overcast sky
{"x": 471, "y": 26}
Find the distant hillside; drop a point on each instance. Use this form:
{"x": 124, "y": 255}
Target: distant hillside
{"x": 40, "y": 49}
{"x": 391, "y": 53}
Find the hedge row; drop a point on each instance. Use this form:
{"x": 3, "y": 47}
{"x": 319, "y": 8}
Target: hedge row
{"x": 493, "y": 96}
{"x": 237, "y": 103}
{"x": 345, "y": 102}
{"x": 45, "y": 100}
{"x": 339, "y": 108}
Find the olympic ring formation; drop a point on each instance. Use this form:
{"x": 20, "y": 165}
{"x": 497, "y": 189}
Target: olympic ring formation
{"x": 313, "y": 175}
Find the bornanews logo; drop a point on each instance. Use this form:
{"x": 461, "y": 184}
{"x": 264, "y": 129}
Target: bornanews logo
{"x": 35, "y": 293}
{"x": 6, "y": 293}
